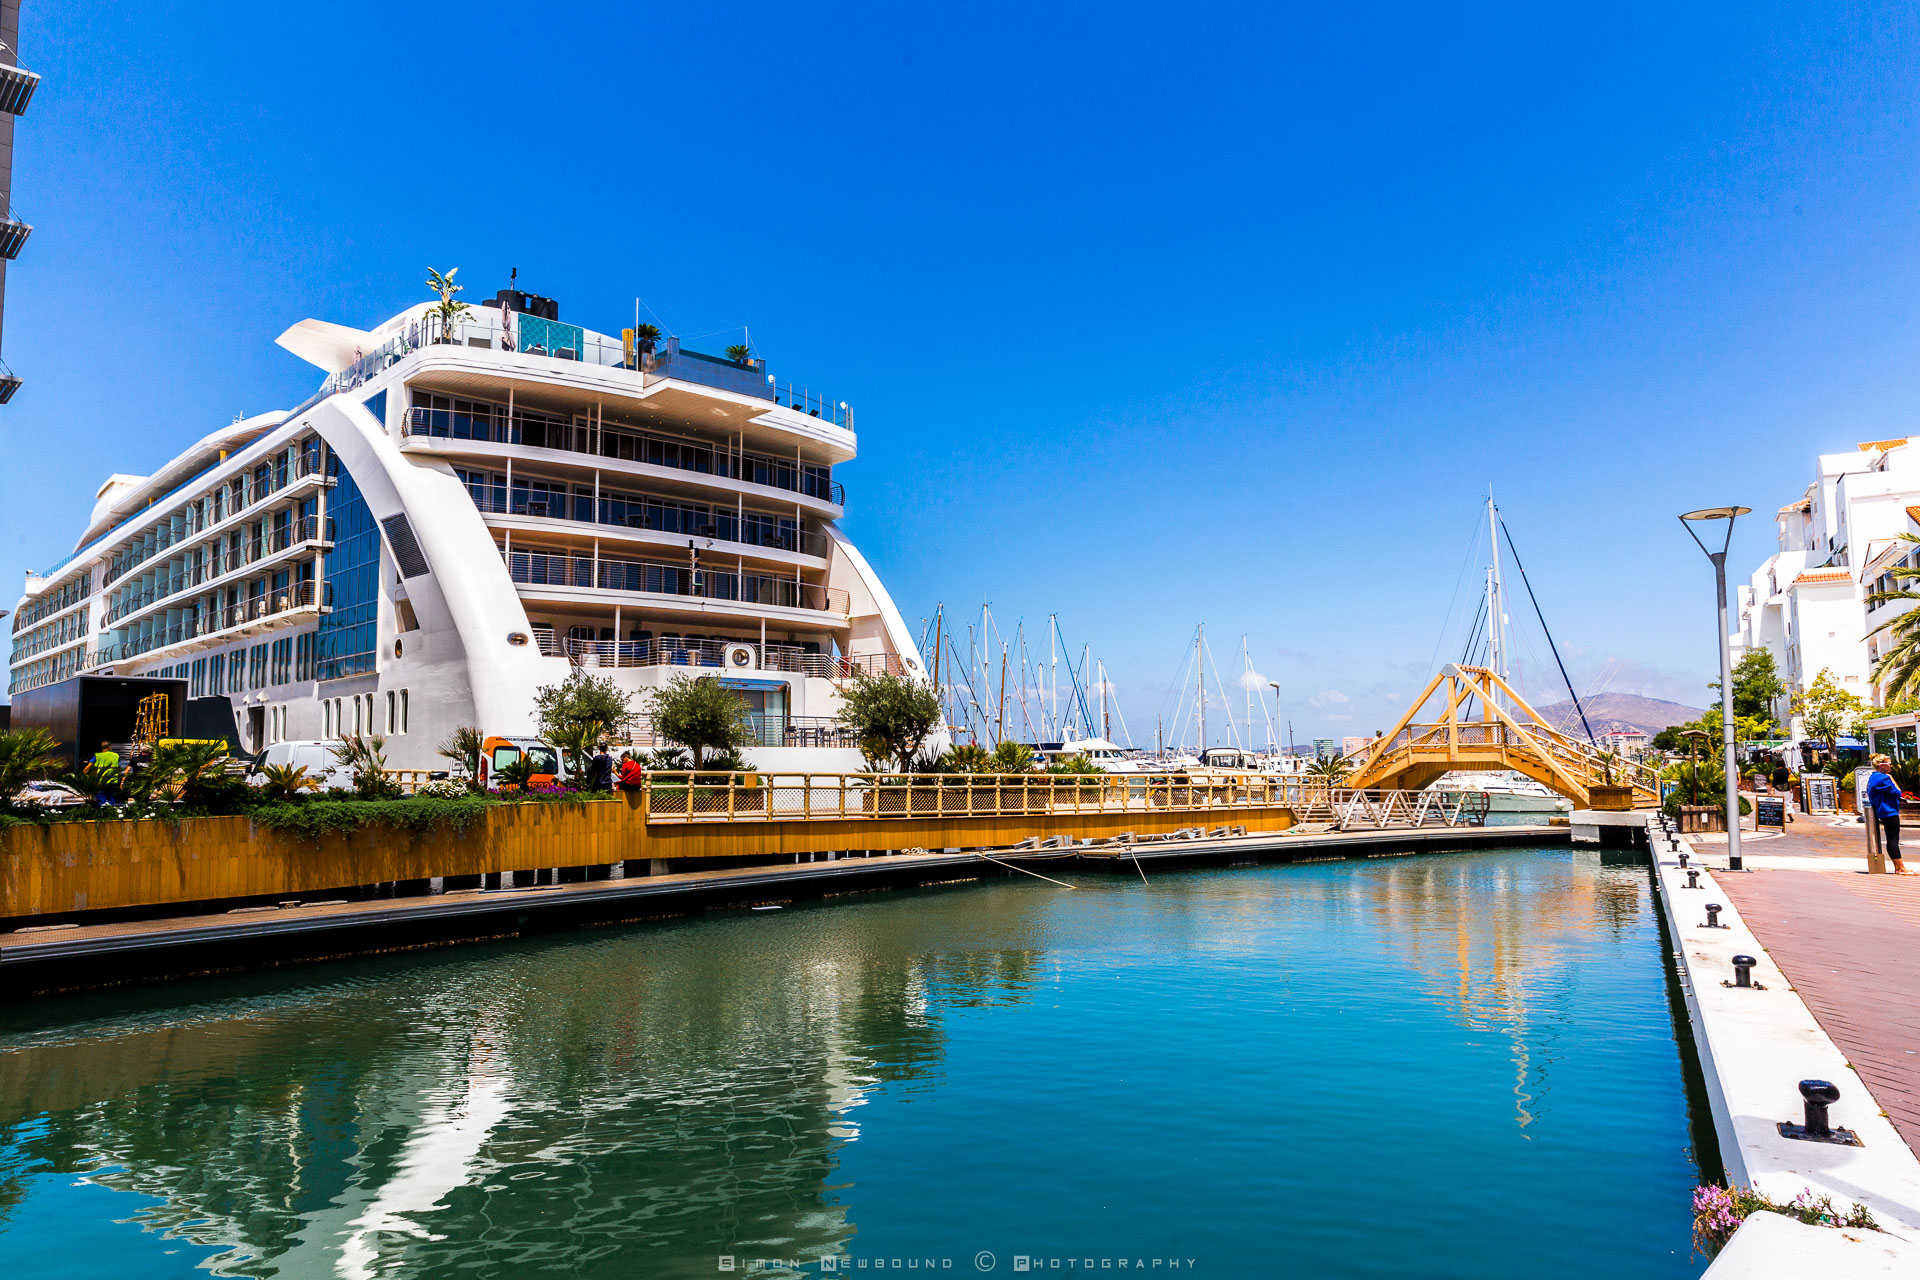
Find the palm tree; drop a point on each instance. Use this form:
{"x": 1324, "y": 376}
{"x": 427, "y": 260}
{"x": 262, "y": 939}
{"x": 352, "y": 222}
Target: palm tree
{"x": 968, "y": 757}
{"x": 1333, "y": 771}
{"x": 287, "y": 781}
{"x": 463, "y": 748}
{"x": 739, "y": 353}
{"x": 1011, "y": 757}
{"x": 1899, "y": 667}
{"x": 25, "y": 756}
{"x": 449, "y": 310}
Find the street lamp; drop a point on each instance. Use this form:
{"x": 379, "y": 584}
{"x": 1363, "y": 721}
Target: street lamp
{"x": 1275, "y": 686}
{"x": 1719, "y": 559}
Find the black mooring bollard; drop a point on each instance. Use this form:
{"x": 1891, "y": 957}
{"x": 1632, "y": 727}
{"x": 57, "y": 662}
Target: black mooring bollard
{"x": 1683, "y": 859}
{"x": 1713, "y": 916}
{"x": 1818, "y": 1095}
{"x": 1693, "y": 877}
{"x": 1743, "y": 971}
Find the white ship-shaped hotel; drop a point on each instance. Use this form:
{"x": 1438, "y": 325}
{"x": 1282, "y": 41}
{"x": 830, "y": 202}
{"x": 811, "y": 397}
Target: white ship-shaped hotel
{"x": 469, "y": 509}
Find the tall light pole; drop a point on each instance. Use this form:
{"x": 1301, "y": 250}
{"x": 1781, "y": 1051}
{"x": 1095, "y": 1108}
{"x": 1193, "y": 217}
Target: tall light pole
{"x": 1719, "y": 559}
{"x": 1275, "y": 686}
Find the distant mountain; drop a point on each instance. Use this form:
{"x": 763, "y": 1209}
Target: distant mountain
{"x": 1609, "y": 711}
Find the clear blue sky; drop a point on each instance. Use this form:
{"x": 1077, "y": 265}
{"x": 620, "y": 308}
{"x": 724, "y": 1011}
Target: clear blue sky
{"x": 1149, "y": 314}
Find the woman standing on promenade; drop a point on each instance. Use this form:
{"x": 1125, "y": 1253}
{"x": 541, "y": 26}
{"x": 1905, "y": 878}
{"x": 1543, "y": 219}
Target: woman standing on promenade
{"x": 1883, "y": 795}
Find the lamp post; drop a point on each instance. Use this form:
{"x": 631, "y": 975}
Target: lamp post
{"x": 1275, "y": 686}
{"x": 1719, "y": 559}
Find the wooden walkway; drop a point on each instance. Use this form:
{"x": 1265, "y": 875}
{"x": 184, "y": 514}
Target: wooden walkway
{"x": 1850, "y": 944}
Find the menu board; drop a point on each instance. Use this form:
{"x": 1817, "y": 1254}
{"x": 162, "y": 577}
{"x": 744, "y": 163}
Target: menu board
{"x": 1821, "y": 793}
{"x": 1770, "y": 811}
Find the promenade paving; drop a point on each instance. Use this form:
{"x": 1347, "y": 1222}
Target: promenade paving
{"x": 1848, "y": 941}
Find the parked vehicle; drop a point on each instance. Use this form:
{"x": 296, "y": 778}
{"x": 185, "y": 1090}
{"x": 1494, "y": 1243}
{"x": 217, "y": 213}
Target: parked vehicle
{"x": 496, "y": 753}
{"x": 316, "y": 757}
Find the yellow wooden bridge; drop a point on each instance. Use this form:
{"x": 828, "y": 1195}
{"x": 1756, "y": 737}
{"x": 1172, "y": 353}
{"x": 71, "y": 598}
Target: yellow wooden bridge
{"x": 1483, "y": 724}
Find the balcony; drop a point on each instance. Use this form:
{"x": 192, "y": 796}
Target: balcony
{"x": 570, "y": 342}
{"x": 623, "y": 444}
{"x": 306, "y": 531}
{"x": 547, "y": 569}
{"x": 13, "y": 236}
{"x": 288, "y": 600}
{"x": 225, "y": 505}
{"x": 620, "y": 514}
{"x": 16, "y": 89}
{"x": 671, "y": 651}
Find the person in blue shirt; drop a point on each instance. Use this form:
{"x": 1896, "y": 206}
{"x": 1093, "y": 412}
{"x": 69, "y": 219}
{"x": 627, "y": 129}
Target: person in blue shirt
{"x": 1883, "y": 797}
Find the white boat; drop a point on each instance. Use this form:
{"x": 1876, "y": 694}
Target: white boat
{"x": 1507, "y": 792}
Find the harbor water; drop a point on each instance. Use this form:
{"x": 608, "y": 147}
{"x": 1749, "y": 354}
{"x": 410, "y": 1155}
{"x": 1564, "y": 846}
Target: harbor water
{"x": 1448, "y": 1065}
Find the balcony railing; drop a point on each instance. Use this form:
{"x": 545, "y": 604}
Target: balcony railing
{"x": 621, "y": 443}
{"x": 618, "y": 513}
{"x": 548, "y": 569}
{"x": 227, "y": 560}
{"x": 769, "y": 730}
{"x": 294, "y": 596}
{"x": 762, "y": 797}
{"x": 674, "y": 651}
{"x": 227, "y": 503}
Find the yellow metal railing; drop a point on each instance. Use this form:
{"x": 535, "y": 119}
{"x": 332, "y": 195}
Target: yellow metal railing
{"x": 783, "y": 797}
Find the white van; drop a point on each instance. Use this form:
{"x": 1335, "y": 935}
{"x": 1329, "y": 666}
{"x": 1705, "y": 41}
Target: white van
{"x": 315, "y": 757}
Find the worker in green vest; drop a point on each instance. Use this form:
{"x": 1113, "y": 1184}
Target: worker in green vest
{"x": 106, "y": 762}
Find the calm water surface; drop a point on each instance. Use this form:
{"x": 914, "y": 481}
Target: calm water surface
{"x": 1453, "y": 1065}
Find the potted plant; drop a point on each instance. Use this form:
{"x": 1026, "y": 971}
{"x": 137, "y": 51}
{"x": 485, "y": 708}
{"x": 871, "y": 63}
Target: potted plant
{"x": 1606, "y": 795}
{"x": 740, "y": 353}
{"x": 449, "y": 310}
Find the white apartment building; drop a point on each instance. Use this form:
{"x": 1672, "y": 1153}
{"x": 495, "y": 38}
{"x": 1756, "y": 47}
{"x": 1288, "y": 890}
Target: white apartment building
{"x": 1838, "y": 542}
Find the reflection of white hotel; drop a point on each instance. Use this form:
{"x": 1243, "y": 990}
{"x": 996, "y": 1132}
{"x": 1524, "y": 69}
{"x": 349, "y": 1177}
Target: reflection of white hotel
{"x": 454, "y": 520}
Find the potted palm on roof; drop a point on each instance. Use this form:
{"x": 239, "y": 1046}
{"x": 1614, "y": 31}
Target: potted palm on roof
{"x": 449, "y": 310}
{"x": 740, "y": 353}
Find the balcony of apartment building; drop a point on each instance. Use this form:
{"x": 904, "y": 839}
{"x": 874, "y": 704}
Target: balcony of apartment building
{"x": 716, "y": 653}
{"x": 685, "y": 590}
{"x": 480, "y": 430}
{"x": 263, "y": 551}
{"x": 585, "y": 518}
{"x": 208, "y": 626}
{"x": 209, "y": 515}
{"x": 646, "y": 365}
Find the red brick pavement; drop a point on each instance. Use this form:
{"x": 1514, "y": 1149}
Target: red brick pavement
{"x": 1850, "y": 944}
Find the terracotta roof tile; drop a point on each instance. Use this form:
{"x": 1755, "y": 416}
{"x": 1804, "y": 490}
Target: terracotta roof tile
{"x": 1872, "y": 446}
{"x": 1818, "y": 576}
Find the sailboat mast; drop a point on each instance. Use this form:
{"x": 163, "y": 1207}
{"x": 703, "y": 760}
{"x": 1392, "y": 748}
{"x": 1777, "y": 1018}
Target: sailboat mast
{"x": 1496, "y": 599}
{"x": 1200, "y": 680}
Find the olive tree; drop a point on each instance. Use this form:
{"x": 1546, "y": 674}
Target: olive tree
{"x": 574, "y": 713}
{"x": 893, "y": 714}
{"x": 702, "y": 715}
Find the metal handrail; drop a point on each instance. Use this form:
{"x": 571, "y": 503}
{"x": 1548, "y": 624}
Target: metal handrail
{"x": 727, "y": 526}
{"x": 226, "y": 560}
{"x": 252, "y": 492}
{"x": 1433, "y": 736}
{"x": 505, "y": 428}
{"x": 561, "y": 569}
{"x": 700, "y": 796}
{"x": 297, "y": 595}
{"x": 670, "y": 651}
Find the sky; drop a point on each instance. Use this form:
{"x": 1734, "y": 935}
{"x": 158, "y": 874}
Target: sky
{"x": 1149, "y": 316}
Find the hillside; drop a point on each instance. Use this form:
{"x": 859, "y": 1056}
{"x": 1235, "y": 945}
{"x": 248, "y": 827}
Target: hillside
{"x": 1607, "y": 711}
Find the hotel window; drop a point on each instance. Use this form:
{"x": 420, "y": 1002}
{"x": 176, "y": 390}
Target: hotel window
{"x": 303, "y": 656}
{"x": 393, "y": 712}
{"x": 257, "y": 667}
{"x": 282, "y": 661}
{"x": 237, "y": 671}
{"x": 344, "y": 643}
{"x": 197, "y": 683}
{"x": 403, "y": 712}
{"x": 326, "y": 718}
{"x": 359, "y": 725}
{"x": 217, "y": 673}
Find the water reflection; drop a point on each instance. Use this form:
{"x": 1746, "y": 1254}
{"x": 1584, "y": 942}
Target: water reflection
{"x": 653, "y": 1097}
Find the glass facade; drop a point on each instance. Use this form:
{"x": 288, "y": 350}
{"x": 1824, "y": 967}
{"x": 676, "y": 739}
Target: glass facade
{"x": 345, "y": 641}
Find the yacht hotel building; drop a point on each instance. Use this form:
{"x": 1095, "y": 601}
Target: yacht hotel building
{"x": 465, "y": 512}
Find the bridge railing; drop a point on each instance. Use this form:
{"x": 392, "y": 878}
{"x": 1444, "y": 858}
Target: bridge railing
{"x": 1579, "y": 758}
{"x": 698, "y": 796}
{"x": 1375, "y": 808}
